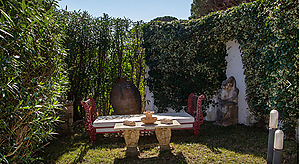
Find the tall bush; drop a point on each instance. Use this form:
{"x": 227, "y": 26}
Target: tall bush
{"x": 181, "y": 61}
{"x": 101, "y": 49}
{"x": 32, "y": 78}
{"x": 268, "y": 34}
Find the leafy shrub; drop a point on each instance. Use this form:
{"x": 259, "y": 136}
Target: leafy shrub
{"x": 268, "y": 34}
{"x": 100, "y": 50}
{"x": 182, "y": 62}
{"x": 165, "y": 19}
{"x": 32, "y": 78}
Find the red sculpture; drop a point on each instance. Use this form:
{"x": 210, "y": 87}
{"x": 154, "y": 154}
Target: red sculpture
{"x": 198, "y": 110}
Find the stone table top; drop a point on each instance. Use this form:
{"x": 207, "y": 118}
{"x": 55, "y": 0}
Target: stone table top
{"x": 142, "y": 126}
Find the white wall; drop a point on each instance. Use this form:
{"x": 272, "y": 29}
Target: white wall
{"x": 149, "y": 96}
{"x": 235, "y": 69}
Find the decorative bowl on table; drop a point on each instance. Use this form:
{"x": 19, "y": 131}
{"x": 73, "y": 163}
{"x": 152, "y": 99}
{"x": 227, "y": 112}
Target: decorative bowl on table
{"x": 166, "y": 121}
{"x": 148, "y": 119}
{"x": 129, "y": 123}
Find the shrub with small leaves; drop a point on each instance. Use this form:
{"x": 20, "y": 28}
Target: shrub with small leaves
{"x": 182, "y": 61}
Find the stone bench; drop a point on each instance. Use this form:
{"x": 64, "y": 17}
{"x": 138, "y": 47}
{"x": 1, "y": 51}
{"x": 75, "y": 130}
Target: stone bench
{"x": 105, "y": 124}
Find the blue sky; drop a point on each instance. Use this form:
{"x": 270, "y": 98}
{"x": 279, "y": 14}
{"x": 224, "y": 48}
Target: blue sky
{"x": 136, "y": 10}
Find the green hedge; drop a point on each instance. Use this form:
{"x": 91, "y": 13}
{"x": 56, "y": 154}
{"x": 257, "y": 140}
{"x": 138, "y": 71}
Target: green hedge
{"x": 100, "y": 50}
{"x": 181, "y": 61}
{"x": 188, "y": 56}
{"x": 31, "y": 78}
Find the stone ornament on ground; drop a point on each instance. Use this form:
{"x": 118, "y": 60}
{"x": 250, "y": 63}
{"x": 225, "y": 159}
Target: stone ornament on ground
{"x": 227, "y": 111}
{"x": 125, "y": 97}
{"x": 66, "y": 116}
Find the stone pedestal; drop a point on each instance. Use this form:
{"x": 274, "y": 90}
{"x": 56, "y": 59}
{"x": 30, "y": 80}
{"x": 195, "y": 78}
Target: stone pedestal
{"x": 231, "y": 117}
{"x": 66, "y": 115}
{"x": 131, "y": 139}
{"x": 132, "y": 134}
{"x": 163, "y": 136}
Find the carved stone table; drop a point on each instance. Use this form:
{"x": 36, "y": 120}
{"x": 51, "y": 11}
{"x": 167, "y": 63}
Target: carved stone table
{"x": 132, "y": 134}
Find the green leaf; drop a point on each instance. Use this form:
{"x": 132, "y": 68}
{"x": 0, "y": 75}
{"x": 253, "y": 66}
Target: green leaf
{"x": 6, "y": 33}
{"x": 23, "y": 5}
{"x": 6, "y": 17}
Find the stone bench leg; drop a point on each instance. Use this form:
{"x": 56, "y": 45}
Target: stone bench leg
{"x": 163, "y": 136}
{"x": 131, "y": 139}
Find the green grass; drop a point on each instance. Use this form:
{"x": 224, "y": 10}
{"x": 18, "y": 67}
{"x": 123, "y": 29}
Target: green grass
{"x": 216, "y": 144}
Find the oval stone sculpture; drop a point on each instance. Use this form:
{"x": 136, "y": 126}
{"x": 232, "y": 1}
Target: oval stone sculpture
{"x": 125, "y": 97}
{"x": 227, "y": 112}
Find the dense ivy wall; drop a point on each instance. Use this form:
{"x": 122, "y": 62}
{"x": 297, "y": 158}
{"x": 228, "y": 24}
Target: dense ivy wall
{"x": 188, "y": 56}
{"x": 181, "y": 61}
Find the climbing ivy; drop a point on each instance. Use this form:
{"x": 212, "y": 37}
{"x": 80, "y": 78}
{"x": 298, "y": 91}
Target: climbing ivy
{"x": 189, "y": 56}
{"x": 181, "y": 62}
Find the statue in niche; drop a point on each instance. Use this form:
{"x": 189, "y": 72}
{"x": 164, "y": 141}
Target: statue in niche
{"x": 227, "y": 111}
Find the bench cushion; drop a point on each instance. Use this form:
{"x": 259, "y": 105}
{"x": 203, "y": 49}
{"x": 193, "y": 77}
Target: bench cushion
{"x": 106, "y": 123}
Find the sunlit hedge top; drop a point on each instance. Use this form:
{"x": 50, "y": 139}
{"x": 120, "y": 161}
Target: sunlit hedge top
{"x": 189, "y": 56}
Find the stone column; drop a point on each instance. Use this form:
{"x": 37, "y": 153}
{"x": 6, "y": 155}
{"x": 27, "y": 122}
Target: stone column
{"x": 66, "y": 115}
{"x": 131, "y": 139}
{"x": 69, "y": 113}
{"x": 163, "y": 136}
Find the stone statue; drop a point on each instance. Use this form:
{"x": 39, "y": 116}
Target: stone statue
{"x": 227, "y": 111}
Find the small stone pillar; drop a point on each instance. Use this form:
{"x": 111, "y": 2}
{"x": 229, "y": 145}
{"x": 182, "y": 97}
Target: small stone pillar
{"x": 131, "y": 139}
{"x": 163, "y": 136}
{"x": 66, "y": 115}
{"x": 297, "y": 131}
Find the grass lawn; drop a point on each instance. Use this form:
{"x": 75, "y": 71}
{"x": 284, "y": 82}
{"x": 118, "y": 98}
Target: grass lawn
{"x": 233, "y": 144}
